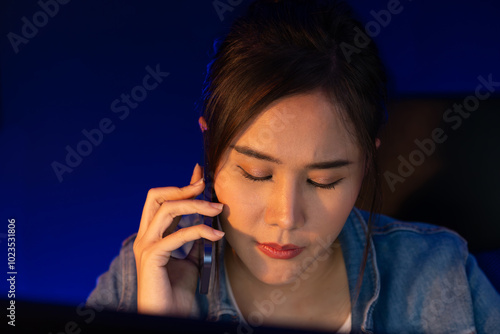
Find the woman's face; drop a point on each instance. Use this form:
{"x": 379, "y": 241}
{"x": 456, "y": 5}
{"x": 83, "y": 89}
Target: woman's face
{"x": 288, "y": 182}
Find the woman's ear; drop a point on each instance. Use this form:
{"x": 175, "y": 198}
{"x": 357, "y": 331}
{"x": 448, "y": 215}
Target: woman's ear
{"x": 377, "y": 143}
{"x": 202, "y": 123}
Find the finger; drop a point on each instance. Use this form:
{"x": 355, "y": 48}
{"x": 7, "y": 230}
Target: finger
{"x": 157, "y": 196}
{"x": 171, "y": 209}
{"x": 197, "y": 174}
{"x": 172, "y": 227}
{"x": 185, "y": 235}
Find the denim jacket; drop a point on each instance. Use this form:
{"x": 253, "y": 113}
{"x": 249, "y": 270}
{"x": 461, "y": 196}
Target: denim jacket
{"x": 419, "y": 278}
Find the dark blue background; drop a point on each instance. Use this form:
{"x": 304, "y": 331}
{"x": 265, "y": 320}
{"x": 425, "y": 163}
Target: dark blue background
{"x": 65, "y": 78}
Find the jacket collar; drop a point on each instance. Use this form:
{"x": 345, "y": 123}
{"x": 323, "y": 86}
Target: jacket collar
{"x": 353, "y": 239}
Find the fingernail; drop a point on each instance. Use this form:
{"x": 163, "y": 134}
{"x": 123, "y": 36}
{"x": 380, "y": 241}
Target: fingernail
{"x": 218, "y": 233}
{"x": 197, "y": 183}
{"x": 217, "y": 205}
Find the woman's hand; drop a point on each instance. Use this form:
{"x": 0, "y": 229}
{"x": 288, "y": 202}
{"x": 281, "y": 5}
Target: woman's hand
{"x": 165, "y": 285}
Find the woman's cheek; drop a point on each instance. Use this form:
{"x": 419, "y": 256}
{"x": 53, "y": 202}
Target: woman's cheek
{"x": 242, "y": 205}
{"x": 348, "y": 193}
{"x": 242, "y": 198}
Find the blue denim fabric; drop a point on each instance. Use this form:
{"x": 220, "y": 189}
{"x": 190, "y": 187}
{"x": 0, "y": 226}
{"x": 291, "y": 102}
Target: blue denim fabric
{"x": 419, "y": 278}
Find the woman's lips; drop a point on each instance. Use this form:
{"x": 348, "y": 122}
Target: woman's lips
{"x": 277, "y": 251}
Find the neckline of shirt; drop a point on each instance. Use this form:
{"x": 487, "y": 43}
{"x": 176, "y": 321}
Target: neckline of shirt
{"x": 345, "y": 328}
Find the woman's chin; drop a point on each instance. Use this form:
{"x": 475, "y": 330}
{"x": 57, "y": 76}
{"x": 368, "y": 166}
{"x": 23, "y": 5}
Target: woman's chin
{"x": 279, "y": 276}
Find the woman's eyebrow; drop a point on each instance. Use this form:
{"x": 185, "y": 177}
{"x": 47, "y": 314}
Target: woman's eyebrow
{"x": 262, "y": 156}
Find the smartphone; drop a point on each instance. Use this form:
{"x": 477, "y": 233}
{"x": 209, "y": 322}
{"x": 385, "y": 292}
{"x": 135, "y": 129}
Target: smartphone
{"x": 207, "y": 250}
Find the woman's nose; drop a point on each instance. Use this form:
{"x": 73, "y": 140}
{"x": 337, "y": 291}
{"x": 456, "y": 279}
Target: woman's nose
{"x": 285, "y": 208}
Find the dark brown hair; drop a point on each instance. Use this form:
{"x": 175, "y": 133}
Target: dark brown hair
{"x": 282, "y": 48}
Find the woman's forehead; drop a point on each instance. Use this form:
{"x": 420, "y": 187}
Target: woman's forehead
{"x": 306, "y": 125}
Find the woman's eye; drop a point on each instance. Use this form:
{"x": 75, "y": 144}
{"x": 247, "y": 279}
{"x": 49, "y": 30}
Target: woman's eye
{"x": 265, "y": 178}
{"x": 325, "y": 186}
{"x": 254, "y": 178}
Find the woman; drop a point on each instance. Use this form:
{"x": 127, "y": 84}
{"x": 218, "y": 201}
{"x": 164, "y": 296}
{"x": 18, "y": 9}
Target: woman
{"x": 293, "y": 103}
